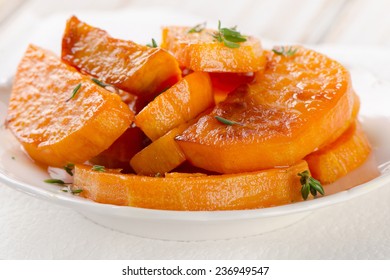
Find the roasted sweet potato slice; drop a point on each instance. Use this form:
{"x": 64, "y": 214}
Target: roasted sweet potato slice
{"x": 161, "y": 156}
{"x": 177, "y": 105}
{"x": 122, "y": 150}
{"x": 59, "y": 115}
{"x": 128, "y": 144}
{"x": 217, "y": 192}
{"x": 137, "y": 69}
{"x": 199, "y": 51}
{"x": 298, "y": 104}
{"x": 347, "y": 153}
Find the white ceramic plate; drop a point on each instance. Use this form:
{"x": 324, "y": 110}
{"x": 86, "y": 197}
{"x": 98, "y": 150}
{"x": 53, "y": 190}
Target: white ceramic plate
{"x": 20, "y": 173}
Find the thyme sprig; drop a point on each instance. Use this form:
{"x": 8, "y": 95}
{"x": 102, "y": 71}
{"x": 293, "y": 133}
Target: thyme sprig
{"x": 74, "y": 92}
{"x": 68, "y": 189}
{"x": 99, "y": 168}
{"x": 100, "y": 83}
{"x": 310, "y": 185}
{"x": 226, "y": 121}
{"x": 55, "y": 182}
{"x": 153, "y": 44}
{"x": 229, "y": 36}
{"x": 290, "y": 51}
{"x": 66, "y": 186}
{"x": 198, "y": 28}
{"x": 69, "y": 168}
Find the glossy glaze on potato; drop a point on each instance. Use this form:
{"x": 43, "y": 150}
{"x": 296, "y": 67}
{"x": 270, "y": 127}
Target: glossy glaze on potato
{"x": 250, "y": 190}
{"x": 179, "y": 104}
{"x": 135, "y": 68}
{"x": 54, "y": 128}
{"x": 295, "y": 106}
{"x": 161, "y": 156}
{"x": 199, "y": 51}
{"x": 342, "y": 156}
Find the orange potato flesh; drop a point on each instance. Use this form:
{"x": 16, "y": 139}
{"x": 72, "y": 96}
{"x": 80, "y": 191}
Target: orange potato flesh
{"x": 299, "y": 103}
{"x": 128, "y": 144}
{"x": 138, "y": 69}
{"x": 122, "y": 150}
{"x": 161, "y": 156}
{"x": 347, "y": 153}
{"x": 200, "y": 51}
{"x": 224, "y": 83}
{"x": 180, "y": 103}
{"x": 218, "y": 192}
{"x": 52, "y": 129}
{"x": 347, "y": 124}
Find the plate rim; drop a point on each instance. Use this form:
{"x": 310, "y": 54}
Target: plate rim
{"x": 81, "y": 204}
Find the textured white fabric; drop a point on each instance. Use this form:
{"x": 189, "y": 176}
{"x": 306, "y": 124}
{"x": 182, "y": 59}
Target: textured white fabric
{"x": 34, "y": 229}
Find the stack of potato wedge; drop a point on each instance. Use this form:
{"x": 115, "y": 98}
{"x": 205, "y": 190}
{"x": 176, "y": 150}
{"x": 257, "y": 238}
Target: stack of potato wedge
{"x": 208, "y": 121}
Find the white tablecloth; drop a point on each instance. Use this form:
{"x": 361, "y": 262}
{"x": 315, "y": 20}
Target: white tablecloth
{"x": 34, "y": 229}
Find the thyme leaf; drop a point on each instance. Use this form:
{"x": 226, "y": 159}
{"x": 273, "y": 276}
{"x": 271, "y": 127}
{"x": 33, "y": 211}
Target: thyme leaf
{"x": 198, "y": 28}
{"x": 230, "y": 37}
{"x": 69, "y": 168}
{"x": 74, "y": 92}
{"x": 153, "y": 44}
{"x": 226, "y": 121}
{"x": 310, "y": 185}
{"x": 54, "y": 181}
{"x": 69, "y": 190}
{"x": 99, "y": 168}
{"x": 100, "y": 83}
{"x": 290, "y": 51}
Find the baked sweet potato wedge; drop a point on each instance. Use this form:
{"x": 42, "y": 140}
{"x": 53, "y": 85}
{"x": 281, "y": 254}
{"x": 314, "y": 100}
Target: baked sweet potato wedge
{"x": 179, "y": 104}
{"x": 122, "y": 150}
{"x": 197, "y": 193}
{"x": 297, "y": 104}
{"x": 199, "y": 51}
{"x": 339, "y": 158}
{"x": 161, "y": 156}
{"x": 137, "y": 69}
{"x": 59, "y": 115}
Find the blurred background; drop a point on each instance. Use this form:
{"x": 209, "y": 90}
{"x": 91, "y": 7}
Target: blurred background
{"x": 348, "y": 22}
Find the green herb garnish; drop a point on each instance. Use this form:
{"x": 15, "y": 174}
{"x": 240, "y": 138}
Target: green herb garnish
{"x": 153, "y": 44}
{"x": 74, "y": 92}
{"x": 69, "y": 168}
{"x": 198, "y": 28}
{"x": 229, "y": 36}
{"x": 54, "y": 181}
{"x": 98, "y": 168}
{"x": 69, "y": 190}
{"x": 310, "y": 185}
{"x": 100, "y": 83}
{"x": 77, "y": 191}
{"x": 226, "y": 121}
{"x": 285, "y": 51}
